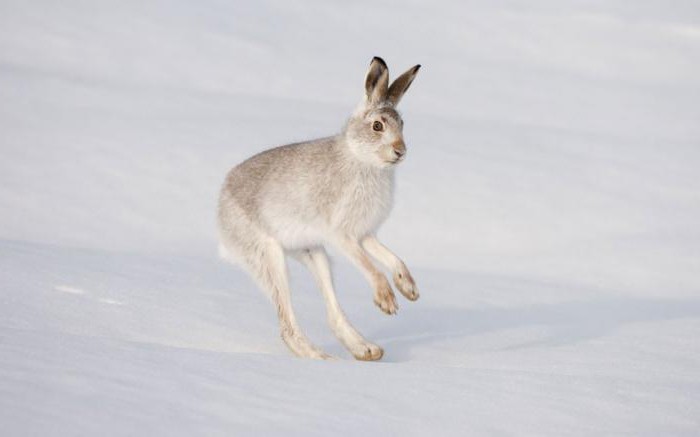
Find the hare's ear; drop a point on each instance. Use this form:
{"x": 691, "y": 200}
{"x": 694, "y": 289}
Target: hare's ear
{"x": 377, "y": 81}
{"x": 400, "y": 85}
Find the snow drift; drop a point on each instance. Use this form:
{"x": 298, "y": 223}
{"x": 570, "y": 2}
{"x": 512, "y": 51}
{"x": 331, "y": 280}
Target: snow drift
{"x": 548, "y": 207}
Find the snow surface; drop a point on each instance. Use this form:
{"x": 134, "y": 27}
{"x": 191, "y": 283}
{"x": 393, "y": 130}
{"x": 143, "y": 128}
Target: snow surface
{"x": 549, "y": 209}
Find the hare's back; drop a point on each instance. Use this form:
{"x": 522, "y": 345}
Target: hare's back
{"x": 284, "y": 190}
{"x": 282, "y": 169}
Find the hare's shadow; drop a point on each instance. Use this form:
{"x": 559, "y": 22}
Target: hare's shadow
{"x": 566, "y": 323}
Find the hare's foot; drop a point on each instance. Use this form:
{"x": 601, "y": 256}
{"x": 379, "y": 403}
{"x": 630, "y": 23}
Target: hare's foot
{"x": 365, "y": 351}
{"x": 303, "y": 348}
{"x": 405, "y": 284}
{"x": 384, "y": 298}
{"x": 360, "y": 348}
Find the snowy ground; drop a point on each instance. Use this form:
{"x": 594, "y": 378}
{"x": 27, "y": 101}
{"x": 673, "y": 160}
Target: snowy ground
{"x": 549, "y": 208}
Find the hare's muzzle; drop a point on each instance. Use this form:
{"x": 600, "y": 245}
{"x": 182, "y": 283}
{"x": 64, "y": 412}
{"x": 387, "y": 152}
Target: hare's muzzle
{"x": 399, "y": 149}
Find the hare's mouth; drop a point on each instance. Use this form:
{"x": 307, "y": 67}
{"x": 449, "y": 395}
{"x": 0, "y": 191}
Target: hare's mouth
{"x": 394, "y": 161}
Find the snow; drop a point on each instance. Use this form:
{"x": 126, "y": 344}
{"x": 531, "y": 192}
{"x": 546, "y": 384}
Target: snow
{"x": 548, "y": 209}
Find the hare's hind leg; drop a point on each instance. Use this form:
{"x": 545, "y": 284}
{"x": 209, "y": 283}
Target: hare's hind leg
{"x": 317, "y": 261}
{"x": 264, "y": 259}
{"x": 273, "y": 277}
{"x": 243, "y": 242}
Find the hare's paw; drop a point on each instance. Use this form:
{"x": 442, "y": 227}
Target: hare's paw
{"x": 405, "y": 284}
{"x": 365, "y": 351}
{"x": 384, "y": 298}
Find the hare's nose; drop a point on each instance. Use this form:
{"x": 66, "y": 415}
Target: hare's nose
{"x": 399, "y": 149}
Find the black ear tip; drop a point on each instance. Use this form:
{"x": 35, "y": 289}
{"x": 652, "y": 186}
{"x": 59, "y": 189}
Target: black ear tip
{"x": 380, "y": 60}
{"x": 416, "y": 68}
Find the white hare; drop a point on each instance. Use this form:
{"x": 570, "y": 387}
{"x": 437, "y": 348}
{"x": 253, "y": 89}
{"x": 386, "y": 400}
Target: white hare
{"x": 292, "y": 199}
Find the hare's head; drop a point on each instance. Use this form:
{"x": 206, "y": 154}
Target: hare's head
{"x": 375, "y": 130}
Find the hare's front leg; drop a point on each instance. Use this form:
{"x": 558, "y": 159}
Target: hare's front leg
{"x": 402, "y": 277}
{"x": 383, "y": 294}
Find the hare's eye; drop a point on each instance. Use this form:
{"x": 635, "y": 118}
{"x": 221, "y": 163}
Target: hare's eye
{"x": 378, "y": 126}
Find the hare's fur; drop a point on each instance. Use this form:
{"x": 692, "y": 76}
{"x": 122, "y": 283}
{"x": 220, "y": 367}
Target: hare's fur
{"x": 293, "y": 199}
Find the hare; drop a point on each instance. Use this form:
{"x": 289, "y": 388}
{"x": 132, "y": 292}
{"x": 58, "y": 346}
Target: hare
{"x": 293, "y": 199}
